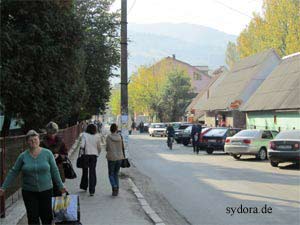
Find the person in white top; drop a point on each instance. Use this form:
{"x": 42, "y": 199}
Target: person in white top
{"x": 91, "y": 142}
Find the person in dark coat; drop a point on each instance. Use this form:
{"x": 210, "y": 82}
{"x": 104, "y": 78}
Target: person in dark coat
{"x": 141, "y": 126}
{"x": 55, "y": 144}
{"x": 195, "y": 134}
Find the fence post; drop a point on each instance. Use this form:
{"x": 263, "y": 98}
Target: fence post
{"x": 2, "y": 175}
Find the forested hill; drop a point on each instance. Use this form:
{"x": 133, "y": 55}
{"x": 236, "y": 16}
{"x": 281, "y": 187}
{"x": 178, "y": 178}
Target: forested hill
{"x": 195, "y": 44}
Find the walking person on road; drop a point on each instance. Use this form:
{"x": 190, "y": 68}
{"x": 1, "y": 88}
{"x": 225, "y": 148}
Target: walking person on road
{"x": 195, "y": 133}
{"x": 55, "y": 144}
{"x": 38, "y": 169}
{"x": 170, "y": 132}
{"x": 114, "y": 145}
{"x": 91, "y": 142}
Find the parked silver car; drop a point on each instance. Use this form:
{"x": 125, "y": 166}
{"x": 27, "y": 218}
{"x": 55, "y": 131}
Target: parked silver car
{"x": 249, "y": 142}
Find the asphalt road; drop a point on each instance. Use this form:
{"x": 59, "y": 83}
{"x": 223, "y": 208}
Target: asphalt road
{"x": 217, "y": 189}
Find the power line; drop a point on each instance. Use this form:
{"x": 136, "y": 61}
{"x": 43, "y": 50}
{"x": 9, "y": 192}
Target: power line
{"x": 229, "y": 7}
{"x": 131, "y": 7}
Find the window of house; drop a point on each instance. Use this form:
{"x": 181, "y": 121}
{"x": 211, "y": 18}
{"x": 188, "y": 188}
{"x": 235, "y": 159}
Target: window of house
{"x": 197, "y": 76}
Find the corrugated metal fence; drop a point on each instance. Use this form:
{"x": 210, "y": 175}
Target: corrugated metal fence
{"x": 10, "y": 148}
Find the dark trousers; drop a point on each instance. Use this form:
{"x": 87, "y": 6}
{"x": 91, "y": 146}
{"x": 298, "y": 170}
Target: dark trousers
{"x": 113, "y": 172}
{"x": 56, "y": 190}
{"x": 38, "y": 206}
{"x": 89, "y": 178}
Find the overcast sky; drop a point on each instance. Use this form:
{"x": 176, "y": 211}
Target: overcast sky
{"x": 230, "y": 16}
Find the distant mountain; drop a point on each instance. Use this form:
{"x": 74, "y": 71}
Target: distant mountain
{"x": 194, "y": 44}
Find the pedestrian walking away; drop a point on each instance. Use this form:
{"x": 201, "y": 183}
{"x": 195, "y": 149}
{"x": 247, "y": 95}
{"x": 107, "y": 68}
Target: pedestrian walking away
{"x": 195, "y": 133}
{"x": 114, "y": 157}
{"x": 171, "y": 133}
{"x": 55, "y": 144}
{"x": 141, "y": 127}
{"x": 91, "y": 142}
{"x": 38, "y": 169}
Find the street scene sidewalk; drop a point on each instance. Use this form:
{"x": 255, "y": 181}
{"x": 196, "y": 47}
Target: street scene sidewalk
{"x": 102, "y": 208}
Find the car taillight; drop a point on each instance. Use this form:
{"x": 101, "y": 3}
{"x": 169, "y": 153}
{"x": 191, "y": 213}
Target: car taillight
{"x": 272, "y": 145}
{"x": 227, "y": 140}
{"x": 247, "y": 141}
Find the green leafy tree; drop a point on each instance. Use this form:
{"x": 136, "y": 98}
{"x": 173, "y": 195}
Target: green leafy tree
{"x": 278, "y": 27}
{"x": 176, "y": 96}
{"x": 40, "y": 62}
{"x": 232, "y": 55}
{"x": 115, "y": 102}
{"x": 101, "y": 50}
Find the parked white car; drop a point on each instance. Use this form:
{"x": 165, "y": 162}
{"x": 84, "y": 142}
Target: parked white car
{"x": 249, "y": 142}
{"x": 157, "y": 129}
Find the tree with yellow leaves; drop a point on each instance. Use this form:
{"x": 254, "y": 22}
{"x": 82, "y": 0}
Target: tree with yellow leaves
{"x": 278, "y": 28}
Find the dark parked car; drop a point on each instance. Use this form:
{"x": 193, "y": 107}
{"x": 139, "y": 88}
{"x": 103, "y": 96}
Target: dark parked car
{"x": 200, "y": 141}
{"x": 179, "y": 131}
{"x": 215, "y": 138}
{"x": 285, "y": 147}
{"x": 186, "y": 136}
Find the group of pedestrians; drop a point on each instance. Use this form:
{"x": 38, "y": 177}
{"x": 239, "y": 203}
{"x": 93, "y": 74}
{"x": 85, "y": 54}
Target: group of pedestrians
{"x": 41, "y": 166}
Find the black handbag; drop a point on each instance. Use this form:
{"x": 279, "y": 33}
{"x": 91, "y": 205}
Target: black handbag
{"x": 68, "y": 169}
{"x": 81, "y": 160}
{"x": 124, "y": 162}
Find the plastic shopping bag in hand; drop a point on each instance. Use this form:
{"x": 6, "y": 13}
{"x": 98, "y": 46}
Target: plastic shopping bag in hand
{"x": 65, "y": 208}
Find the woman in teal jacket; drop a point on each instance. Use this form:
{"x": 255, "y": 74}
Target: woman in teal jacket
{"x": 38, "y": 168}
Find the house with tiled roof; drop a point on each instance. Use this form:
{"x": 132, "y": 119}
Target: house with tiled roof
{"x": 223, "y": 107}
{"x": 276, "y": 103}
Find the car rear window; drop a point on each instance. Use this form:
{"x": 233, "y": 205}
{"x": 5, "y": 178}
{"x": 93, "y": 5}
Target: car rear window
{"x": 247, "y": 133}
{"x": 288, "y": 135}
{"x": 188, "y": 129}
{"x": 182, "y": 127}
{"x": 216, "y": 132}
{"x": 158, "y": 126}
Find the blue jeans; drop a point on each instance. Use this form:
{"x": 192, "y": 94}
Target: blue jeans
{"x": 113, "y": 172}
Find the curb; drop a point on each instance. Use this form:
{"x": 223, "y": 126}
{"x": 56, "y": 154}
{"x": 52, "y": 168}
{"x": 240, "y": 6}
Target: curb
{"x": 146, "y": 207}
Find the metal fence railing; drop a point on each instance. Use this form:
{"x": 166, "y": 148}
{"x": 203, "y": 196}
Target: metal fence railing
{"x": 10, "y": 148}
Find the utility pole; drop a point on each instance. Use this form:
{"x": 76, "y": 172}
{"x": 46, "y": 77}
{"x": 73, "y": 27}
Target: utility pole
{"x": 124, "y": 83}
{"x": 124, "y": 75}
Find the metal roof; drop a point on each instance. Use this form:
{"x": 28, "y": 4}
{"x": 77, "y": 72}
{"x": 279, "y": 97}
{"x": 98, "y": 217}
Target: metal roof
{"x": 281, "y": 89}
{"x": 234, "y": 83}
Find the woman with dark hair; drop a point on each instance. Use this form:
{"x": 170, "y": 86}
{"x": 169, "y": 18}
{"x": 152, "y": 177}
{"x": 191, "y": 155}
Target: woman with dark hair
{"x": 56, "y": 145}
{"x": 91, "y": 142}
{"x": 114, "y": 157}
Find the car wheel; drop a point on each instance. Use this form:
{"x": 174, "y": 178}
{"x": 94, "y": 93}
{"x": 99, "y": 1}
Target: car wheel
{"x": 185, "y": 143}
{"x": 262, "y": 154}
{"x": 236, "y": 156}
{"x": 210, "y": 151}
{"x": 274, "y": 164}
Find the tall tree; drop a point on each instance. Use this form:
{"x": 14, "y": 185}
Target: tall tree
{"x": 40, "y": 62}
{"x": 115, "y": 101}
{"x": 278, "y": 27}
{"x": 101, "y": 49}
{"x": 175, "y": 100}
{"x": 232, "y": 55}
